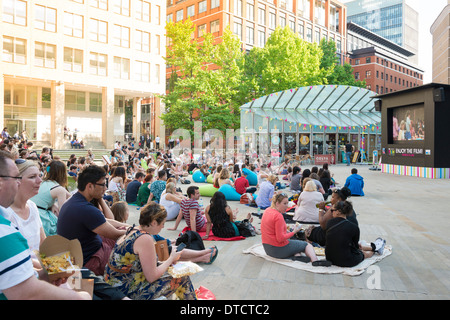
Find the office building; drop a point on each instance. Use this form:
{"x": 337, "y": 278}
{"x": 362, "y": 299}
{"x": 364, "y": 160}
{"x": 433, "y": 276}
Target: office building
{"x": 385, "y": 66}
{"x": 81, "y": 64}
{"x": 440, "y": 31}
{"x": 391, "y": 19}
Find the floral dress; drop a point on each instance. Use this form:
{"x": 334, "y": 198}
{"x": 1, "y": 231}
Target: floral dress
{"x": 124, "y": 272}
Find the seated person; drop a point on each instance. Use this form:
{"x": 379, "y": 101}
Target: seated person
{"x": 355, "y": 183}
{"x": 242, "y": 185}
{"x": 306, "y": 210}
{"x": 80, "y": 219}
{"x": 157, "y": 187}
{"x": 317, "y": 234}
{"x": 171, "y": 201}
{"x": 73, "y": 171}
{"x": 277, "y": 241}
{"x": 266, "y": 192}
{"x": 190, "y": 211}
{"x": 144, "y": 190}
{"x": 219, "y": 214}
{"x": 295, "y": 179}
{"x": 133, "y": 188}
{"x": 342, "y": 238}
{"x": 144, "y": 278}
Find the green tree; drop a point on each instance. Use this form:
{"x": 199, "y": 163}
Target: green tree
{"x": 205, "y": 79}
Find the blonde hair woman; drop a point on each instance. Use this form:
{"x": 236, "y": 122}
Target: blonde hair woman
{"x": 170, "y": 200}
{"x": 277, "y": 242}
{"x": 306, "y": 210}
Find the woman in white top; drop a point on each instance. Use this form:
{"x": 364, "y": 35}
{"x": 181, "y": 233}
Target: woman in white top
{"x": 23, "y": 213}
{"x": 171, "y": 201}
{"x": 306, "y": 210}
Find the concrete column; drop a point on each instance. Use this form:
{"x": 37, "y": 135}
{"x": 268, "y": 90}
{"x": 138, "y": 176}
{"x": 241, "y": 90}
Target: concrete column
{"x": 57, "y": 117}
{"x": 159, "y": 128}
{"x": 137, "y": 118}
{"x": 108, "y": 117}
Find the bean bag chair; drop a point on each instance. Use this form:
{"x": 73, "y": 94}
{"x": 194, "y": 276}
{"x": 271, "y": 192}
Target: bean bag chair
{"x": 210, "y": 178}
{"x": 207, "y": 190}
{"x": 251, "y": 177}
{"x": 198, "y": 176}
{"x": 230, "y": 193}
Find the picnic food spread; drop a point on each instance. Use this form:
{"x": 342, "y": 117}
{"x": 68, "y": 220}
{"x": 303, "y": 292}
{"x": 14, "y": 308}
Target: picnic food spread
{"x": 57, "y": 263}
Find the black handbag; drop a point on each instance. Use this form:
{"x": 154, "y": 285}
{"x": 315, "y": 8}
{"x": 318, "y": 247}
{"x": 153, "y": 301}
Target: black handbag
{"x": 245, "y": 228}
{"x": 191, "y": 239}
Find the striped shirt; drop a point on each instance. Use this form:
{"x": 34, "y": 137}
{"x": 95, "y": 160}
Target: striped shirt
{"x": 190, "y": 204}
{"x": 15, "y": 260}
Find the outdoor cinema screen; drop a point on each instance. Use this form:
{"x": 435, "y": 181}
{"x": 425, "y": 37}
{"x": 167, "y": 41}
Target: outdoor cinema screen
{"x": 408, "y": 123}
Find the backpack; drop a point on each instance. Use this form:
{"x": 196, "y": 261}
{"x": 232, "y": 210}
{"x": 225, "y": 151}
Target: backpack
{"x": 192, "y": 240}
{"x": 245, "y": 228}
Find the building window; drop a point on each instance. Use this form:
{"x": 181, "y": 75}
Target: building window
{"x": 180, "y": 15}
{"x": 319, "y": 12}
{"x": 101, "y": 4}
{"x": 121, "y": 36}
{"x": 46, "y": 98}
{"x": 45, "y": 55}
{"x": 272, "y": 20}
{"x": 75, "y": 100}
{"x": 15, "y": 11}
{"x": 309, "y": 34}
{"x": 215, "y": 4}
{"x": 121, "y": 7}
{"x": 157, "y": 44}
{"x": 14, "y": 50}
{"x": 282, "y": 21}
{"x": 238, "y": 7}
{"x": 303, "y": 8}
{"x": 250, "y": 12}
{"x": 368, "y": 74}
{"x": 142, "y": 41}
{"x": 238, "y": 30}
{"x": 143, "y": 11}
{"x": 250, "y": 35}
{"x": 98, "y": 30}
{"x": 121, "y": 68}
{"x": 157, "y": 79}
{"x": 262, "y": 16}
{"x": 73, "y": 25}
{"x": 170, "y": 17}
{"x": 142, "y": 72}
{"x": 215, "y": 26}
{"x": 73, "y": 60}
{"x": 98, "y": 64}
{"x": 301, "y": 30}
{"x": 190, "y": 11}
{"x": 357, "y": 75}
{"x": 95, "y": 102}
{"x": 292, "y": 25}
{"x": 201, "y": 30}
{"x": 156, "y": 15}
{"x": 261, "y": 38}
{"x": 368, "y": 60}
{"x": 202, "y": 6}
{"x": 45, "y": 18}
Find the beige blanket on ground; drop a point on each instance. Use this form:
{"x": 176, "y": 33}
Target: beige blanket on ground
{"x": 357, "y": 270}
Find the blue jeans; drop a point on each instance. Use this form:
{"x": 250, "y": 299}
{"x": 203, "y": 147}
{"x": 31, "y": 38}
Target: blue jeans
{"x": 348, "y": 155}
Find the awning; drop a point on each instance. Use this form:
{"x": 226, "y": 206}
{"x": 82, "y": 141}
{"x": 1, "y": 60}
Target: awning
{"x": 327, "y": 105}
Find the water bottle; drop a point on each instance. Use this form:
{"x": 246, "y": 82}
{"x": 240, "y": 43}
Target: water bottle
{"x": 259, "y": 211}
{"x": 200, "y": 202}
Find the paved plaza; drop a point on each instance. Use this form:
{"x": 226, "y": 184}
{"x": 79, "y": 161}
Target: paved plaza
{"x": 410, "y": 213}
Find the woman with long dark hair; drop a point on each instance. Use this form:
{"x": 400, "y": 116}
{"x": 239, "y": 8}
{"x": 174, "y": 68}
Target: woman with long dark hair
{"x": 219, "y": 214}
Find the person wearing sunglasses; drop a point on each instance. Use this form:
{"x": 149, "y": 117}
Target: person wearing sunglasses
{"x": 342, "y": 237}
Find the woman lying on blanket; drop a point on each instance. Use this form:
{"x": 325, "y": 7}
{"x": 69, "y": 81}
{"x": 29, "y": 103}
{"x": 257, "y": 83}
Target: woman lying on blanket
{"x": 342, "y": 237}
{"x": 277, "y": 241}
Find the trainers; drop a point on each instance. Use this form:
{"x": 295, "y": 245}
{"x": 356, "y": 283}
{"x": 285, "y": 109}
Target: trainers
{"x": 379, "y": 245}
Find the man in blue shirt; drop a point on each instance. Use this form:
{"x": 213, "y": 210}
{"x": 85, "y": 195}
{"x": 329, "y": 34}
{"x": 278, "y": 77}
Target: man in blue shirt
{"x": 133, "y": 187}
{"x": 355, "y": 183}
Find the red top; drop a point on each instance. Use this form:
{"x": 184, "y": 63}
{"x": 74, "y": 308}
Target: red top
{"x": 274, "y": 229}
{"x": 241, "y": 184}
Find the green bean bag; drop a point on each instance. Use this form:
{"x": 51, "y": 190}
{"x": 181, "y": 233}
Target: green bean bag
{"x": 210, "y": 179}
{"x": 207, "y": 190}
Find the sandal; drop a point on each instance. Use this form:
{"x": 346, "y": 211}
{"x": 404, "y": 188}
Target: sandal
{"x": 301, "y": 259}
{"x": 213, "y": 257}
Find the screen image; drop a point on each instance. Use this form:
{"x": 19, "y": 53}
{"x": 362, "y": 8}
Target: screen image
{"x": 408, "y": 123}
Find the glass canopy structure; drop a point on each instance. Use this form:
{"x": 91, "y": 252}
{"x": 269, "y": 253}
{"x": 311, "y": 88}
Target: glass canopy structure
{"x": 313, "y": 120}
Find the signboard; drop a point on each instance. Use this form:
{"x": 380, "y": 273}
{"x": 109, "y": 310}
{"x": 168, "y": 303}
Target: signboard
{"x": 321, "y": 159}
{"x": 355, "y": 157}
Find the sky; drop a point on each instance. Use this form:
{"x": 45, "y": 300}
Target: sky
{"x": 428, "y": 11}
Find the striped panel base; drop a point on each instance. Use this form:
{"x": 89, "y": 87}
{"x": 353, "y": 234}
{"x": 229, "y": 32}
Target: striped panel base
{"x": 421, "y": 172}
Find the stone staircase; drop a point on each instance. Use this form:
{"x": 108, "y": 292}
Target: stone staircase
{"x": 98, "y": 154}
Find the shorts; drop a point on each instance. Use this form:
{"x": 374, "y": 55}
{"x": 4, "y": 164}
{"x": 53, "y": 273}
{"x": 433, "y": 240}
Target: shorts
{"x": 287, "y": 251}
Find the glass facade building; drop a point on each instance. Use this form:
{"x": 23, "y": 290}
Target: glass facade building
{"x": 390, "y": 19}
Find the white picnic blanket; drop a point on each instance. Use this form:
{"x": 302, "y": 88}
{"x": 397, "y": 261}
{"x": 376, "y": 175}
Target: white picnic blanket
{"x": 357, "y": 270}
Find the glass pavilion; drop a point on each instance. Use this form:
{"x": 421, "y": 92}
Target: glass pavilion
{"x": 310, "y": 121}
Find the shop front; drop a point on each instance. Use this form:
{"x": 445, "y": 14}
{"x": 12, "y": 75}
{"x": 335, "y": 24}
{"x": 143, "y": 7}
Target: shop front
{"x": 313, "y": 124}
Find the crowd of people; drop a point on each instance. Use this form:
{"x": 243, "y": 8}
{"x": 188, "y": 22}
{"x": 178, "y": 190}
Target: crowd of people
{"x": 35, "y": 203}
